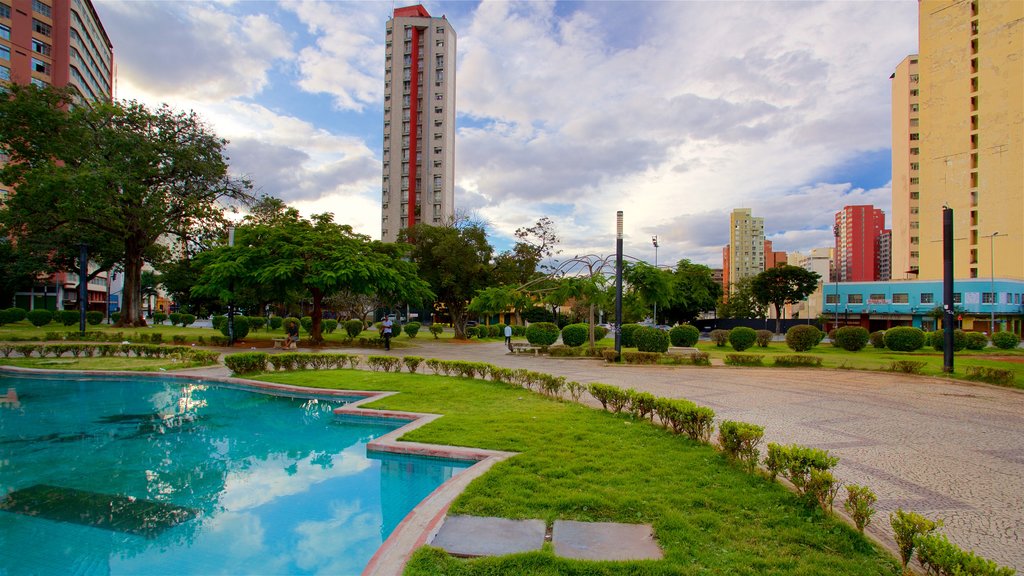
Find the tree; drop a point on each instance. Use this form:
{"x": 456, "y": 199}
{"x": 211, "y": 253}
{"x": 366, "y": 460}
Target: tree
{"x": 318, "y": 255}
{"x": 455, "y": 260}
{"x": 121, "y": 177}
{"x": 694, "y": 290}
{"x": 651, "y": 285}
{"x": 590, "y": 291}
{"x": 741, "y": 303}
{"x": 783, "y": 285}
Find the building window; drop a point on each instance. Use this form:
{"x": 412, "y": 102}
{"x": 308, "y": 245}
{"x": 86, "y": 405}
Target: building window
{"x": 40, "y": 66}
{"x": 914, "y": 92}
{"x": 5, "y": 52}
{"x": 41, "y": 28}
{"x": 915, "y": 136}
{"x": 5, "y": 11}
{"x": 39, "y": 83}
{"x": 927, "y": 298}
{"x": 440, "y": 61}
{"x": 876, "y": 298}
{"x": 900, "y": 298}
{"x": 854, "y": 298}
{"x": 40, "y": 47}
{"x": 956, "y": 297}
{"x": 914, "y": 254}
{"x": 915, "y": 166}
{"x": 988, "y": 298}
{"x": 440, "y": 29}
{"x": 40, "y": 8}
{"x": 5, "y": 73}
{"x": 5, "y": 32}
{"x": 914, "y": 107}
{"x": 914, "y": 195}
{"x": 915, "y": 151}
{"x": 832, "y": 298}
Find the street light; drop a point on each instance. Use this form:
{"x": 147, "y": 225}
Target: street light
{"x": 654, "y": 240}
{"x": 618, "y": 284}
{"x": 231, "y": 303}
{"x": 835, "y": 232}
{"x": 992, "y": 271}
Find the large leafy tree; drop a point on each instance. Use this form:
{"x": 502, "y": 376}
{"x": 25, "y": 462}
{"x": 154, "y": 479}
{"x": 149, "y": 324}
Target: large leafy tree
{"x": 648, "y": 284}
{"x": 741, "y": 302}
{"x": 694, "y": 291}
{"x": 127, "y": 180}
{"x": 783, "y": 285}
{"x": 318, "y": 255}
{"x": 456, "y": 261}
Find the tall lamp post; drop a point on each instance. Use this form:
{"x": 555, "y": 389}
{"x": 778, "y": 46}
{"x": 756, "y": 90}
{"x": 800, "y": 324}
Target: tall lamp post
{"x": 992, "y": 275}
{"x": 654, "y": 240}
{"x": 835, "y": 232}
{"x": 231, "y": 303}
{"x": 618, "y": 284}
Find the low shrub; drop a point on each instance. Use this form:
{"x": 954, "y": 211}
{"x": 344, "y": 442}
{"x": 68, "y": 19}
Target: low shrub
{"x": 178, "y": 339}
{"x": 575, "y": 334}
{"x": 329, "y": 326}
{"x": 563, "y": 351}
{"x": 412, "y": 363}
{"x": 68, "y": 317}
{"x": 700, "y": 359}
{"x": 241, "y": 327}
{"x": 386, "y": 363}
{"x": 542, "y": 333}
{"x": 1005, "y": 340}
{"x": 719, "y": 337}
{"x": 763, "y": 338}
{"x": 741, "y": 338}
{"x": 683, "y": 416}
{"x": 217, "y": 321}
{"x": 641, "y": 404}
{"x": 610, "y": 355}
{"x": 246, "y": 362}
{"x": 40, "y": 317}
{"x": 1001, "y": 376}
{"x": 412, "y": 329}
{"x": 740, "y": 441}
{"x": 938, "y": 340}
{"x": 907, "y": 527}
{"x": 275, "y": 322}
{"x": 627, "y": 338}
{"x": 354, "y": 328}
{"x": 851, "y": 338}
{"x": 877, "y": 339}
{"x": 437, "y": 329}
{"x": 115, "y": 317}
{"x": 940, "y": 556}
{"x": 519, "y": 331}
{"x": 860, "y": 505}
{"x": 744, "y": 359}
{"x": 640, "y": 357}
{"x": 15, "y": 314}
{"x": 684, "y": 335}
{"x": 651, "y": 340}
{"x": 612, "y": 398}
{"x": 175, "y": 318}
{"x": 795, "y": 463}
{"x": 159, "y": 317}
{"x": 306, "y": 322}
{"x": 802, "y": 337}
{"x": 188, "y": 319}
{"x": 93, "y": 317}
{"x": 471, "y": 332}
{"x": 822, "y": 488}
{"x": 797, "y": 361}
{"x": 976, "y": 341}
{"x": 599, "y": 332}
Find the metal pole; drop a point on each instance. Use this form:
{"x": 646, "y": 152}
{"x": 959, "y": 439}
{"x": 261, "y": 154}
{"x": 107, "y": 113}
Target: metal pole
{"x": 947, "y": 288}
{"x": 835, "y": 232}
{"x": 655, "y": 240}
{"x": 992, "y": 272}
{"x": 110, "y": 279}
{"x": 231, "y": 303}
{"x": 618, "y": 284}
{"x": 83, "y": 289}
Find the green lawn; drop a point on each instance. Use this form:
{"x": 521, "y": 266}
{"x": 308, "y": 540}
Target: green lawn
{"x": 68, "y": 363}
{"x": 584, "y": 464}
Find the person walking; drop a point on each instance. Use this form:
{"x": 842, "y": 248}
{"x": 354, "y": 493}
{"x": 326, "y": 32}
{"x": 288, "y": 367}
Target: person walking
{"x": 508, "y": 337}
{"x": 385, "y": 332}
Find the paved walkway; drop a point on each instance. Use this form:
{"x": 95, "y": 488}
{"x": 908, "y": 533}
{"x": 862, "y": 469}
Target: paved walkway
{"x": 944, "y": 449}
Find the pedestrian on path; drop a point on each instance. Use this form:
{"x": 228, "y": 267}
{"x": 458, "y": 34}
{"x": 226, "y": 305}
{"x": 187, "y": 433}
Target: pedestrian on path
{"x": 385, "y": 332}
{"x": 508, "y": 337}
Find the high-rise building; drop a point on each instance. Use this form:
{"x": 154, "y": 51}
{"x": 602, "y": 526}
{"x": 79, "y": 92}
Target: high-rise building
{"x": 419, "y": 122}
{"x": 746, "y": 246}
{"x": 771, "y": 257}
{"x": 971, "y": 134}
{"x": 906, "y": 169}
{"x": 857, "y": 244}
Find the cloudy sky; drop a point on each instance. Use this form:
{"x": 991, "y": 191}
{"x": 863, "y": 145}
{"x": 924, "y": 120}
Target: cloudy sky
{"x": 674, "y": 112}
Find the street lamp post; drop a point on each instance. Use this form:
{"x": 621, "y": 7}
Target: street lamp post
{"x": 618, "y": 284}
{"x": 654, "y": 240}
{"x": 231, "y": 303}
{"x": 835, "y": 232}
{"x": 992, "y": 285}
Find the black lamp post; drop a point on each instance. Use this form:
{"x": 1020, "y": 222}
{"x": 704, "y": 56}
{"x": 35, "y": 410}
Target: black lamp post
{"x": 231, "y": 302}
{"x": 83, "y": 289}
{"x": 618, "y": 284}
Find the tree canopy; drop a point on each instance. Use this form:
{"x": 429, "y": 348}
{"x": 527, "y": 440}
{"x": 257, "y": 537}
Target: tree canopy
{"x": 783, "y": 285}
{"x": 694, "y": 291}
{"x": 742, "y": 303}
{"x": 127, "y": 180}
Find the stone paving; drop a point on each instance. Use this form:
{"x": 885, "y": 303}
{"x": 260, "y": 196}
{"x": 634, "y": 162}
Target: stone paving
{"x": 944, "y": 449}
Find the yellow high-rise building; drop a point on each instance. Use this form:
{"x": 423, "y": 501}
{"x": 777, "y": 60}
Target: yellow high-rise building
{"x": 906, "y": 170}
{"x": 970, "y": 140}
{"x": 746, "y": 246}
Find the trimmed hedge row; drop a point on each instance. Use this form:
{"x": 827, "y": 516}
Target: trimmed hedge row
{"x": 186, "y": 353}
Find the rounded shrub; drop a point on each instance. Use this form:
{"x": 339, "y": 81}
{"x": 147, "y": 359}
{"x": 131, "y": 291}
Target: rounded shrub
{"x": 542, "y": 333}
{"x": 651, "y": 340}
{"x": 976, "y": 341}
{"x": 159, "y": 317}
{"x": 938, "y": 340}
{"x": 741, "y": 338}
{"x": 599, "y": 333}
{"x": 188, "y": 319}
{"x": 17, "y": 314}
{"x": 628, "y": 331}
{"x": 218, "y": 320}
{"x": 40, "y": 317}
{"x": 307, "y": 324}
{"x": 1005, "y": 340}
{"x": 904, "y": 339}
{"x": 241, "y": 327}
{"x": 436, "y": 329}
{"x": 719, "y": 337}
{"x": 802, "y": 337}
{"x": 6, "y": 317}
{"x": 115, "y": 317}
{"x": 764, "y": 338}
{"x": 684, "y": 335}
{"x": 256, "y": 322}
{"x": 471, "y": 332}
{"x": 275, "y": 322}
{"x": 354, "y": 328}
{"x": 68, "y": 317}
{"x": 175, "y": 318}
{"x": 94, "y": 317}
{"x": 877, "y": 339}
{"x": 852, "y": 338}
{"x": 411, "y": 329}
{"x": 575, "y": 334}
{"x": 832, "y": 335}
{"x": 330, "y": 325}
{"x": 494, "y": 331}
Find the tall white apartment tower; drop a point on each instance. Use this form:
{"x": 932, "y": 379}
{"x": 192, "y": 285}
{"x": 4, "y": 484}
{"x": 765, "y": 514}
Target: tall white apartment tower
{"x": 746, "y": 245}
{"x": 419, "y": 122}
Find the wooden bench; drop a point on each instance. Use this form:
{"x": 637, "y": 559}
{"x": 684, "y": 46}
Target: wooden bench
{"x": 519, "y": 347}
{"x": 280, "y": 342}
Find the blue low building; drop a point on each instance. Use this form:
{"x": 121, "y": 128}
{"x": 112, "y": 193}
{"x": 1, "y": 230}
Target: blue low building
{"x": 881, "y": 305}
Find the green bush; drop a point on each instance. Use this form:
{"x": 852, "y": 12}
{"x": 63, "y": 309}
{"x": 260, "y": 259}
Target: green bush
{"x": 795, "y": 463}
{"x": 93, "y": 317}
{"x": 575, "y": 334}
{"x": 684, "y": 335}
{"x": 741, "y": 338}
{"x": 276, "y": 322}
{"x": 256, "y": 322}
{"x": 241, "y": 324}
{"x": 40, "y": 317}
{"x": 6, "y": 317}
{"x": 744, "y": 359}
{"x": 67, "y": 317}
{"x": 412, "y": 363}
{"x": 651, "y": 340}
{"x": 938, "y": 340}
{"x": 542, "y": 333}
{"x": 907, "y": 366}
{"x": 904, "y": 339}
{"x": 719, "y": 337}
{"x": 860, "y": 505}
{"x": 471, "y": 331}
{"x": 940, "y": 556}
{"x": 627, "y": 339}
{"x": 218, "y": 320}
{"x": 353, "y": 328}
{"x": 411, "y": 329}
{"x": 496, "y": 331}
{"x": 683, "y": 416}
{"x": 1001, "y": 376}
{"x": 1005, "y": 340}
{"x": 700, "y": 359}
{"x": 599, "y": 333}
{"x": 976, "y": 341}
{"x": 246, "y": 362}
{"x": 802, "y": 337}
{"x": 740, "y": 441}
{"x": 611, "y": 397}
{"x": 188, "y": 319}
{"x": 906, "y": 527}
{"x": 307, "y": 324}
{"x": 159, "y": 317}
{"x": 437, "y": 329}
{"x": 115, "y": 317}
{"x": 851, "y": 338}
{"x": 330, "y": 325}
{"x": 175, "y": 318}
{"x": 640, "y": 357}
{"x": 877, "y": 339}
{"x": 17, "y": 314}
{"x": 386, "y": 363}
{"x": 797, "y": 361}
{"x": 764, "y": 338}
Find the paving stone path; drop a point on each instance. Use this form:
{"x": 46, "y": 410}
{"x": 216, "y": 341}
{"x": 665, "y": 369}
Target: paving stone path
{"x": 944, "y": 449}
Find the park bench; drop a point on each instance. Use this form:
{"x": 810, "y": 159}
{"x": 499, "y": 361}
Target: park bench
{"x": 519, "y": 347}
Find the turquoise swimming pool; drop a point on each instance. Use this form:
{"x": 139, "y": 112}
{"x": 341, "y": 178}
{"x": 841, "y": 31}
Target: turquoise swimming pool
{"x": 103, "y": 475}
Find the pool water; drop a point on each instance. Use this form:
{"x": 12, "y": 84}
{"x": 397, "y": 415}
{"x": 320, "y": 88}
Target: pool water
{"x": 106, "y": 475}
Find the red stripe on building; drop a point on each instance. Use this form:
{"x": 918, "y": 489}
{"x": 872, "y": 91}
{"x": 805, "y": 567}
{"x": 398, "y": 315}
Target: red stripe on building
{"x": 414, "y": 113}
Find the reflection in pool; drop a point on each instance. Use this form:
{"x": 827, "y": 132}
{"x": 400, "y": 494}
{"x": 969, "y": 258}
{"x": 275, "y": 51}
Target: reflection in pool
{"x": 167, "y": 476}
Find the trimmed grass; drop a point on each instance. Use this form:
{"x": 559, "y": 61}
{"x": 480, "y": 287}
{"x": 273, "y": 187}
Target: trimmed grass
{"x": 67, "y": 363}
{"x": 578, "y": 463}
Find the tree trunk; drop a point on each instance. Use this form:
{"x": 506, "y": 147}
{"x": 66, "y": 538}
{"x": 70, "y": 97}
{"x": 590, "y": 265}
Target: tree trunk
{"x": 591, "y": 326}
{"x": 315, "y": 337}
{"x": 778, "y": 319}
{"x": 131, "y": 310}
